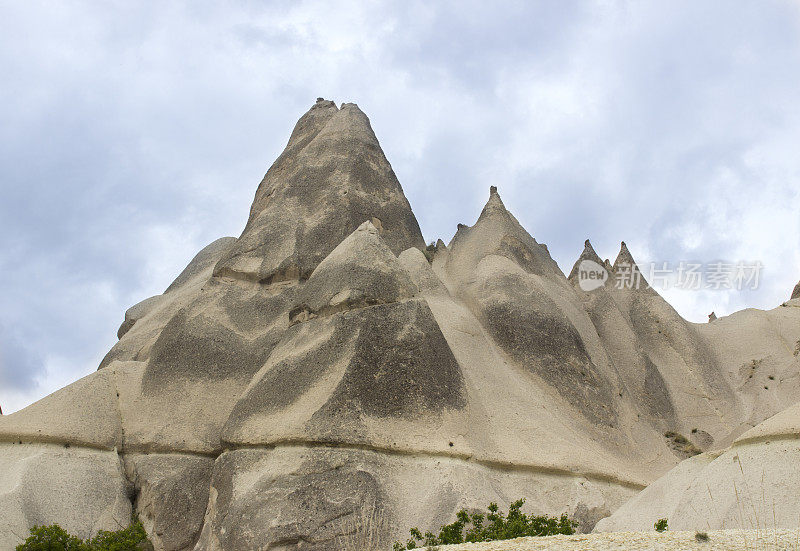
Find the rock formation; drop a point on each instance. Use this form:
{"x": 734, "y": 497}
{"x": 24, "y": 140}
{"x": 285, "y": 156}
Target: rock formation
{"x": 319, "y": 374}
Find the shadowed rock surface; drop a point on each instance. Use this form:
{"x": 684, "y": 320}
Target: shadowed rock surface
{"x": 321, "y": 377}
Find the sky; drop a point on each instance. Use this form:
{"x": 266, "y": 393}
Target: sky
{"x": 132, "y": 134}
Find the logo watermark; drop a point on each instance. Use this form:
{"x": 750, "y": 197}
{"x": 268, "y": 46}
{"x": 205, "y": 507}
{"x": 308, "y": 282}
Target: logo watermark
{"x": 693, "y": 276}
{"x": 591, "y": 275}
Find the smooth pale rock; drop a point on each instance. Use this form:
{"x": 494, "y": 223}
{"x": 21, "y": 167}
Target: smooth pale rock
{"x": 360, "y": 271}
{"x": 753, "y": 484}
{"x": 172, "y": 494}
{"x": 659, "y": 500}
{"x": 671, "y": 540}
{"x": 137, "y": 312}
{"x": 83, "y": 413}
{"x": 421, "y": 272}
{"x": 82, "y": 490}
{"x": 749, "y": 486}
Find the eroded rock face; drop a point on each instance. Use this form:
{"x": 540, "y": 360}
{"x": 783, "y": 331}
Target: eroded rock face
{"x": 331, "y": 177}
{"x": 320, "y": 383}
{"x": 753, "y": 482}
{"x": 171, "y": 496}
{"x": 81, "y": 489}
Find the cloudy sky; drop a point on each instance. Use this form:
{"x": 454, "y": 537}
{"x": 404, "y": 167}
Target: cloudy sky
{"x": 134, "y": 133}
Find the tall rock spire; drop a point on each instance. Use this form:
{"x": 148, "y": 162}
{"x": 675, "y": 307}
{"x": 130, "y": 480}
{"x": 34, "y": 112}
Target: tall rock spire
{"x": 626, "y": 273}
{"x": 796, "y": 292}
{"x": 497, "y": 231}
{"x": 331, "y": 178}
{"x": 587, "y": 254}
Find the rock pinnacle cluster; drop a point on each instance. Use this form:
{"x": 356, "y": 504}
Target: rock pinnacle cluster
{"x": 324, "y": 376}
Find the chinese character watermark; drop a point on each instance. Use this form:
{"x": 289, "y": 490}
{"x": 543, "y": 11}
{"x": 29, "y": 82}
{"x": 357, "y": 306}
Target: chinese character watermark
{"x": 717, "y": 275}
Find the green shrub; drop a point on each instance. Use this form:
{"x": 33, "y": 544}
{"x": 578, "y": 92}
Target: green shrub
{"x": 55, "y": 538}
{"x": 661, "y": 525}
{"x": 51, "y": 538}
{"x": 127, "y": 539}
{"x": 490, "y": 527}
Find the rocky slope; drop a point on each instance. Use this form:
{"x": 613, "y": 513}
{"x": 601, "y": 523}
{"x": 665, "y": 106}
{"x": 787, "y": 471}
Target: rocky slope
{"x": 319, "y": 371}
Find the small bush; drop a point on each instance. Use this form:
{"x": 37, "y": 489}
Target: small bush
{"x": 127, "y": 539}
{"x": 491, "y": 527}
{"x": 51, "y": 538}
{"x": 55, "y": 538}
{"x": 701, "y": 536}
{"x": 661, "y": 525}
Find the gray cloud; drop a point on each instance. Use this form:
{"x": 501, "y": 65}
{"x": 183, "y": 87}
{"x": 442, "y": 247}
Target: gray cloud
{"x": 131, "y": 136}
{"x": 19, "y": 366}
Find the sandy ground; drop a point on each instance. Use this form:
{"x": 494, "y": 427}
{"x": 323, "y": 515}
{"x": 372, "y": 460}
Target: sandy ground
{"x": 718, "y": 540}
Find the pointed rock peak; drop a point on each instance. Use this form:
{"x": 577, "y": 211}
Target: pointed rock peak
{"x": 440, "y": 245}
{"x": 332, "y": 176}
{"x": 311, "y": 123}
{"x": 498, "y": 232}
{"x": 627, "y": 274}
{"x": 624, "y": 258}
{"x": 361, "y": 271}
{"x": 796, "y": 292}
{"x": 587, "y": 254}
{"x": 494, "y": 206}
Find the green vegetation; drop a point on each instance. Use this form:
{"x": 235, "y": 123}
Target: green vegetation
{"x": 661, "y": 525}
{"x": 55, "y": 538}
{"x": 701, "y": 536}
{"x": 491, "y": 527}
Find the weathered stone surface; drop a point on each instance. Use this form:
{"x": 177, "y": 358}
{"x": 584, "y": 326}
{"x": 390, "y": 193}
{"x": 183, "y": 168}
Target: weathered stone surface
{"x": 84, "y": 413}
{"x": 421, "y": 272}
{"x": 137, "y": 312}
{"x": 336, "y": 379}
{"x": 753, "y": 484}
{"x": 80, "y": 489}
{"x": 171, "y": 496}
{"x": 293, "y": 497}
{"x": 360, "y": 271}
{"x": 331, "y": 177}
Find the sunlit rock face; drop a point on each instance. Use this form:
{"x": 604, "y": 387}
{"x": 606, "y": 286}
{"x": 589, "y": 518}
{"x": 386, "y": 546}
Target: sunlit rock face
{"x": 324, "y": 377}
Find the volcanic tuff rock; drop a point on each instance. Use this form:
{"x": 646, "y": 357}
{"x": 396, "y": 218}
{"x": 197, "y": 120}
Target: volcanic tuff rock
{"x": 319, "y": 372}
